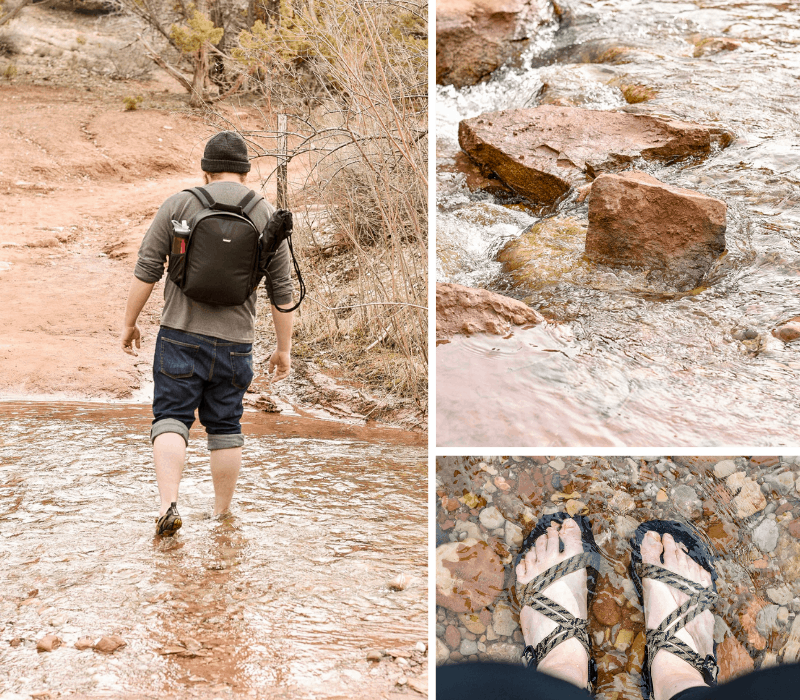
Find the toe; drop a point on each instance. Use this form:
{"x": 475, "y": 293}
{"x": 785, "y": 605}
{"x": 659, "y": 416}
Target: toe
{"x": 571, "y": 537}
{"x": 651, "y": 548}
{"x": 541, "y": 548}
{"x": 522, "y": 569}
{"x": 670, "y": 552}
{"x": 552, "y": 542}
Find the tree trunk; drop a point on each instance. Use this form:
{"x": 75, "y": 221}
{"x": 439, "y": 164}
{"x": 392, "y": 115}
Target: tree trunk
{"x": 198, "y": 95}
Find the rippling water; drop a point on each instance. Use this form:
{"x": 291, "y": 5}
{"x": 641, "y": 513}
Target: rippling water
{"x": 282, "y": 600}
{"x": 747, "y": 510}
{"x": 647, "y": 366}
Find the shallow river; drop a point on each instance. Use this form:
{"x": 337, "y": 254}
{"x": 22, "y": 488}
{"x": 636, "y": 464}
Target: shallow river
{"x": 282, "y": 600}
{"x": 627, "y": 362}
{"x": 746, "y": 510}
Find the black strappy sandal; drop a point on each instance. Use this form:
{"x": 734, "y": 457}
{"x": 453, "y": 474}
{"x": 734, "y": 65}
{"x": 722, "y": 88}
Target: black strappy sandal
{"x": 169, "y": 523}
{"x": 532, "y": 593}
{"x": 700, "y": 599}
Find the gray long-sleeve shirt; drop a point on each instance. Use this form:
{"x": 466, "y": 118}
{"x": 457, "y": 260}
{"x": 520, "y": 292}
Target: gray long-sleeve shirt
{"x": 233, "y": 323}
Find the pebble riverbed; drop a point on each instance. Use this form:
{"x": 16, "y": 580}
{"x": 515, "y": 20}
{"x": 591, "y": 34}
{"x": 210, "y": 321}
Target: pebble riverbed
{"x": 748, "y": 509}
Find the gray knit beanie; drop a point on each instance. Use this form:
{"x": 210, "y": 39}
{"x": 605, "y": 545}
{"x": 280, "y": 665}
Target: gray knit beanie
{"x": 226, "y": 153}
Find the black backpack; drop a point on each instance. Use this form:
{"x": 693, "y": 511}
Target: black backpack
{"x": 220, "y": 257}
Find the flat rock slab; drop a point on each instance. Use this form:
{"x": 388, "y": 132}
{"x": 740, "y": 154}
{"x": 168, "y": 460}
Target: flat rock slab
{"x": 469, "y": 575}
{"x": 637, "y": 220}
{"x": 475, "y": 37}
{"x": 542, "y": 153}
{"x": 465, "y": 310}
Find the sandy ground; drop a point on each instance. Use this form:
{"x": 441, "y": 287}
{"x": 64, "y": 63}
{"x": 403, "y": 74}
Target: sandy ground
{"x": 80, "y": 180}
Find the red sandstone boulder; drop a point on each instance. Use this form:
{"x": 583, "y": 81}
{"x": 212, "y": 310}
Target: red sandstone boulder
{"x": 475, "y": 37}
{"x": 637, "y": 220}
{"x": 542, "y": 153}
{"x": 466, "y": 310}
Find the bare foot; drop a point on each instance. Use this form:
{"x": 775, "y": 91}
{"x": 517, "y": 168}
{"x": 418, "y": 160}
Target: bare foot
{"x": 569, "y": 659}
{"x": 671, "y": 674}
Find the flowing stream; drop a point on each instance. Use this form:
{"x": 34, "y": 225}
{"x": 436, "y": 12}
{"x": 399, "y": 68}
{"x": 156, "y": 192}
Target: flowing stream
{"x": 282, "y": 600}
{"x": 624, "y": 362}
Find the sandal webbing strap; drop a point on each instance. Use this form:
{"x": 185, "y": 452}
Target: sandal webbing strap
{"x": 569, "y": 626}
{"x": 662, "y": 637}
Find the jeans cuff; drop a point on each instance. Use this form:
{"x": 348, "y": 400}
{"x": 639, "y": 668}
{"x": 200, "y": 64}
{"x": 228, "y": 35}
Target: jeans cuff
{"x": 169, "y": 425}
{"x": 223, "y": 442}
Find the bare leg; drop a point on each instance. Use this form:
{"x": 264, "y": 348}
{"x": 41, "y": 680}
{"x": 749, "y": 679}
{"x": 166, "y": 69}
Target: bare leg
{"x": 671, "y": 674}
{"x": 568, "y": 660}
{"x": 225, "y": 465}
{"x": 169, "y": 455}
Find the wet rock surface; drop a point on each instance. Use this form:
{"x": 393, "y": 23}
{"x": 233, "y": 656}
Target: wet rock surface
{"x": 542, "y": 153}
{"x": 634, "y": 219}
{"x": 475, "y": 37}
{"x": 789, "y": 331}
{"x": 461, "y": 309}
{"x": 757, "y": 619}
{"x": 469, "y": 575}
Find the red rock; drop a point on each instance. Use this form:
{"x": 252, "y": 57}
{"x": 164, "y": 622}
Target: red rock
{"x": 447, "y": 524}
{"x": 474, "y": 176}
{"x": 110, "y": 644}
{"x": 541, "y": 153}
{"x": 466, "y": 310}
{"x": 724, "y": 535}
{"x": 84, "y": 643}
{"x": 452, "y": 636}
{"x": 605, "y": 610}
{"x": 783, "y": 509}
{"x": 794, "y": 528}
{"x": 789, "y": 331}
{"x": 747, "y": 618}
{"x": 450, "y": 504}
{"x": 469, "y": 575}
{"x": 733, "y": 659}
{"x": 538, "y": 477}
{"x": 634, "y": 219}
{"x": 525, "y": 485}
{"x": 48, "y": 643}
{"x": 475, "y": 37}
{"x": 485, "y": 617}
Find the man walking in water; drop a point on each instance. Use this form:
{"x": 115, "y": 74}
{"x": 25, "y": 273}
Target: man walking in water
{"x": 204, "y": 353}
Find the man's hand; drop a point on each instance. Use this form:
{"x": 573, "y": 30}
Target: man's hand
{"x": 281, "y": 362}
{"x": 129, "y": 336}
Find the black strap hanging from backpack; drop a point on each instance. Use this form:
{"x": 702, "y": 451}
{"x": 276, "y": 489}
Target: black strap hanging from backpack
{"x": 278, "y": 229}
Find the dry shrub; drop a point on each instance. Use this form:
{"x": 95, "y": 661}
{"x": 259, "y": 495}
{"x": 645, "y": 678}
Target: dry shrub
{"x": 9, "y": 43}
{"x": 353, "y": 78}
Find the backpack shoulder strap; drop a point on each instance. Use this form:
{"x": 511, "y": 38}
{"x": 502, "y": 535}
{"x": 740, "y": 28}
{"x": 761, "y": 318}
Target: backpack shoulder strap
{"x": 249, "y": 202}
{"x": 203, "y": 195}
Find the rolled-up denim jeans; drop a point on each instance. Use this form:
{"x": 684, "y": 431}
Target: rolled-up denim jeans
{"x": 193, "y": 372}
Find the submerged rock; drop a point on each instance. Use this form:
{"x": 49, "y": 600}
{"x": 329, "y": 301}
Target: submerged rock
{"x": 475, "y": 37}
{"x": 765, "y": 536}
{"x": 733, "y": 659}
{"x": 634, "y": 219}
{"x": 110, "y": 644}
{"x": 469, "y": 575}
{"x": 542, "y": 153}
{"x": 750, "y": 500}
{"x": 48, "y": 643}
{"x": 789, "y": 331}
{"x": 466, "y": 310}
{"x": 545, "y": 253}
